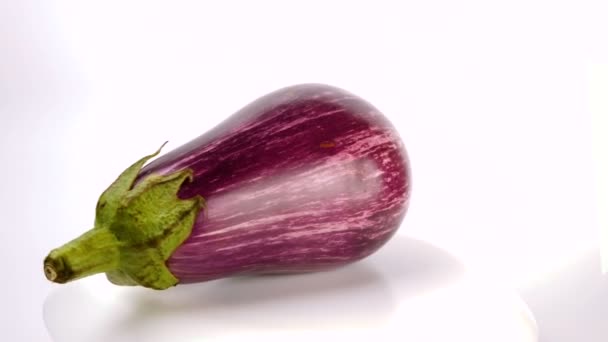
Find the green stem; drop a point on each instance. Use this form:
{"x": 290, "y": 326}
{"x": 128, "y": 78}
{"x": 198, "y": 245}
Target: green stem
{"x": 95, "y": 251}
{"x": 138, "y": 225}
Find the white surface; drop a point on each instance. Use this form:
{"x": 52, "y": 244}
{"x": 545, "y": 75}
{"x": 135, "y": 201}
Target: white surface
{"x": 409, "y": 291}
{"x": 492, "y": 101}
{"x": 572, "y": 304}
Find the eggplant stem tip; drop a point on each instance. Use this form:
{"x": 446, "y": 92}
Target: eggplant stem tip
{"x": 50, "y": 273}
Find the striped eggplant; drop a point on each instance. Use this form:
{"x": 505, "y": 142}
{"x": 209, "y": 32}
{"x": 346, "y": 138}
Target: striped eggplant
{"x": 307, "y": 178}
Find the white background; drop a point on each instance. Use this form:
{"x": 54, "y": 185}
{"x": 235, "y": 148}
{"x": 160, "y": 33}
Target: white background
{"x": 493, "y": 100}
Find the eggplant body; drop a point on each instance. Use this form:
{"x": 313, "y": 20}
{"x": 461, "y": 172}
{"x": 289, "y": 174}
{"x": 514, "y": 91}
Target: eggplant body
{"x": 306, "y": 178}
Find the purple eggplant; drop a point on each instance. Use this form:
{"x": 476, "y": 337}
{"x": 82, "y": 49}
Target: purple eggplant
{"x": 306, "y": 178}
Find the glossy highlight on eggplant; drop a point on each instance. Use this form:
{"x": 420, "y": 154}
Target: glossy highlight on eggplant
{"x": 307, "y": 178}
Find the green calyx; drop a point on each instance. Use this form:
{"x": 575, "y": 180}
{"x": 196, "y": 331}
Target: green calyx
{"x": 137, "y": 228}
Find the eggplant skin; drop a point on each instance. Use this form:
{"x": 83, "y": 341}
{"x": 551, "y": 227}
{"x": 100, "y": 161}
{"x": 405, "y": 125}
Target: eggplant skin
{"x": 306, "y": 178}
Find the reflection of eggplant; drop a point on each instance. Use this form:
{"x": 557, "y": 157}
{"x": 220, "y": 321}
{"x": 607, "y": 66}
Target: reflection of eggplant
{"x": 306, "y": 178}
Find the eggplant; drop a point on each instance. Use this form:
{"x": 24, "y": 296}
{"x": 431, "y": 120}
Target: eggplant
{"x": 307, "y": 178}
